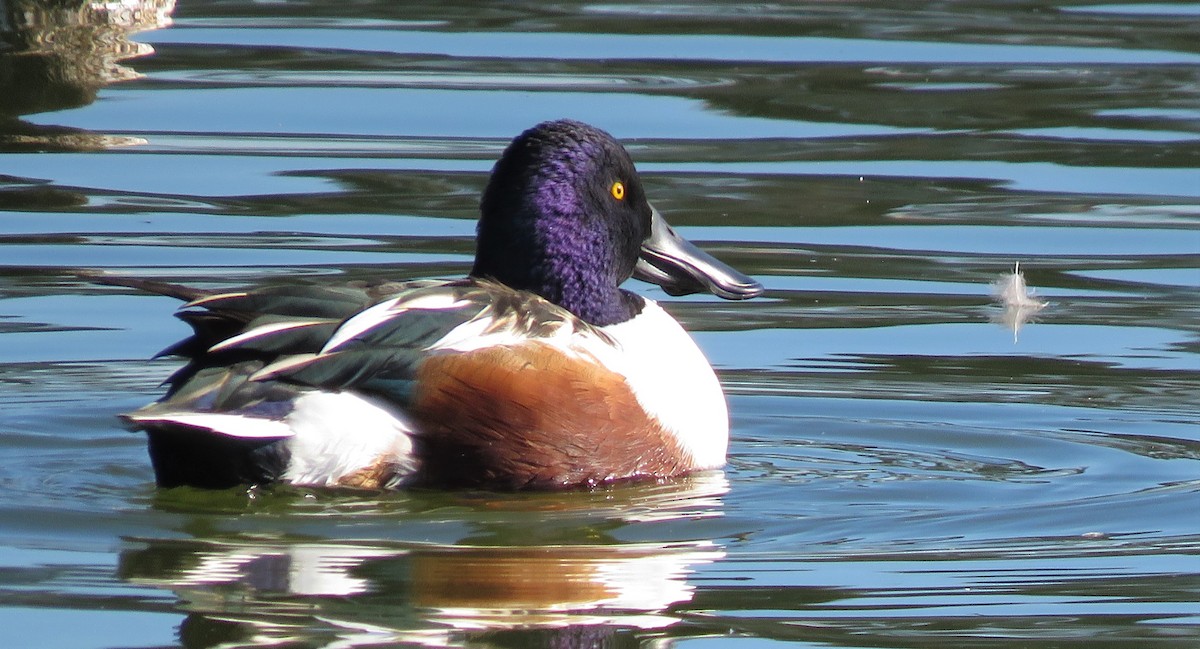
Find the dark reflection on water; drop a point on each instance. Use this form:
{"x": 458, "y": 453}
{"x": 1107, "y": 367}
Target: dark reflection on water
{"x": 904, "y": 472}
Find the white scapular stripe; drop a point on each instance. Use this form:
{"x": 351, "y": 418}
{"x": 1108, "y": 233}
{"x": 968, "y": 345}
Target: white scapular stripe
{"x": 374, "y": 316}
{"x": 264, "y": 330}
{"x": 281, "y": 366}
{"x": 230, "y": 425}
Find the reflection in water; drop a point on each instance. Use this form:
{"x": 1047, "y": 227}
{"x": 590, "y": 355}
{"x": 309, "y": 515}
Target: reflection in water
{"x": 1014, "y": 318}
{"x": 57, "y": 55}
{"x": 248, "y": 590}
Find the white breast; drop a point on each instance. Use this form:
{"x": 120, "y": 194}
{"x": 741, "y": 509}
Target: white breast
{"x": 672, "y": 380}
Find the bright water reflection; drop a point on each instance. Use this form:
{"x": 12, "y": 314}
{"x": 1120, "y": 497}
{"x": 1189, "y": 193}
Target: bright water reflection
{"x": 904, "y": 472}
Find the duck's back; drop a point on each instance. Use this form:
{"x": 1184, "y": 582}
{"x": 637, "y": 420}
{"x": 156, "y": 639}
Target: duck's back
{"x": 464, "y": 383}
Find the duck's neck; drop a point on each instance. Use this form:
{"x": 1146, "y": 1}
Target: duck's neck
{"x": 563, "y": 265}
{"x": 601, "y": 308}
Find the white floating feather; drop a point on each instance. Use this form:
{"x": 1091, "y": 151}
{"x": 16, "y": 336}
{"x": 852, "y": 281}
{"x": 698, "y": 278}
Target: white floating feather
{"x": 1012, "y": 292}
{"x": 1018, "y": 300}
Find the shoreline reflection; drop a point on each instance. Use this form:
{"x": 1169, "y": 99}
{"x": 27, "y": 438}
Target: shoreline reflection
{"x": 57, "y": 56}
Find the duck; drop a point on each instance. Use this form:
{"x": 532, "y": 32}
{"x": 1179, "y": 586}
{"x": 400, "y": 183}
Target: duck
{"x": 535, "y": 371}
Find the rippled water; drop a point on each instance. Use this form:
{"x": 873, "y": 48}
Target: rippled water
{"x": 908, "y": 468}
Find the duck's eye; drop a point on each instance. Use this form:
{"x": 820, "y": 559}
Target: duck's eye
{"x": 617, "y": 190}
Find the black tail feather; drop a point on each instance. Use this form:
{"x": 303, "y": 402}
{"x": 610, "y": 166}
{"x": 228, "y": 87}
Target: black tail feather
{"x": 188, "y": 457}
{"x": 177, "y": 291}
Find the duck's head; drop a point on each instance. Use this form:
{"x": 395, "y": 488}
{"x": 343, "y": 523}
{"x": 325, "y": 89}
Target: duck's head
{"x": 564, "y": 215}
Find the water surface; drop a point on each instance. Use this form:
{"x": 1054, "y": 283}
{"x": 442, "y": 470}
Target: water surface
{"x": 907, "y": 468}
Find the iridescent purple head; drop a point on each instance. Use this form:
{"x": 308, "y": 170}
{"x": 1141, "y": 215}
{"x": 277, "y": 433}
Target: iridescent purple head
{"x": 564, "y": 215}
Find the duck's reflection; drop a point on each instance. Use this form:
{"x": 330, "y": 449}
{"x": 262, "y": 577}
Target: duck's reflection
{"x": 249, "y": 592}
{"x": 56, "y": 55}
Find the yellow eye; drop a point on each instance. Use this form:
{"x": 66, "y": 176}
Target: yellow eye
{"x": 618, "y": 190}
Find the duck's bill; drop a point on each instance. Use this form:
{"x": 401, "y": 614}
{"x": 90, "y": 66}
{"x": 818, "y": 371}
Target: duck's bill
{"x": 680, "y": 268}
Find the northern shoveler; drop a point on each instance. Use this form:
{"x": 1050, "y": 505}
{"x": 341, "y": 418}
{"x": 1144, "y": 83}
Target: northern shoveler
{"x": 535, "y": 371}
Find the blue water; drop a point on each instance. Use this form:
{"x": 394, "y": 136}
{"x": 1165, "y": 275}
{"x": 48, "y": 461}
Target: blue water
{"x": 908, "y": 468}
